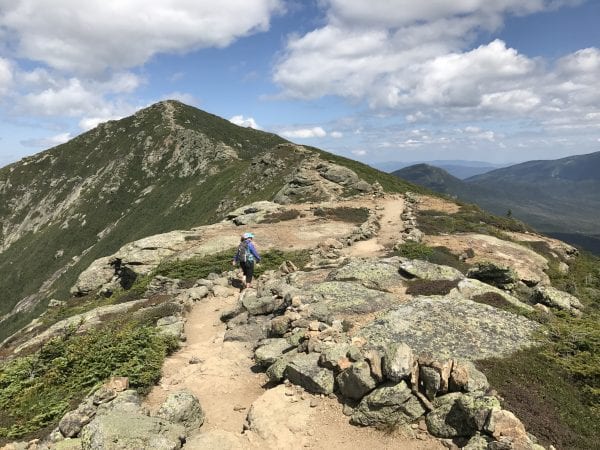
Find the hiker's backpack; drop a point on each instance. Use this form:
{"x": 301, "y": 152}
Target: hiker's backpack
{"x": 244, "y": 254}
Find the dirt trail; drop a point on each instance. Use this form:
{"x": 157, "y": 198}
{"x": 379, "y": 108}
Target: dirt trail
{"x": 389, "y": 209}
{"x": 226, "y": 386}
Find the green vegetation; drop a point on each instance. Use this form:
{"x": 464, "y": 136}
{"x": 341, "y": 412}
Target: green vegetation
{"x": 435, "y": 255}
{"x": 343, "y": 213}
{"x": 555, "y": 389}
{"x": 430, "y": 287}
{"x": 36, "y": 390}
{"x": 200, "y": 267}
{"x": 469, "y": 219}
{"x": 282, "y": 216}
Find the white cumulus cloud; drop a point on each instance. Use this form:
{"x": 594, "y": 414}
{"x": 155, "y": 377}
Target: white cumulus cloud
{"x": 242, "y": 121}
{"x": 304, "y": 133}
{"x": 94, "y": 35}
{"x": 6, "y": 75}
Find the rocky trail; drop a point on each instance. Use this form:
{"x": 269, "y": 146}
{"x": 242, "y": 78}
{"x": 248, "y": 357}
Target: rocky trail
{"x": 221, "y": 375}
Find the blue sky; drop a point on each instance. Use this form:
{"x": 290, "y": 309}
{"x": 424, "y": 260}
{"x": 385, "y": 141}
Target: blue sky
{"x": 376, "y": 80}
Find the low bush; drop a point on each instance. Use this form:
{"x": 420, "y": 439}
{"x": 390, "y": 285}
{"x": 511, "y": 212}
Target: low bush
{"x": 430, "y": 287}
{"x": 435, "y": 255}
{"x": 36, "y": 390}
{"x": 281, "y": 216}
{"x": 200, "y": 267}
{"x": 356, "y": 216}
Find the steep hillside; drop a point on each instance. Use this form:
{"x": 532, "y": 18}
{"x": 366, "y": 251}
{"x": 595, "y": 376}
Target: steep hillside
{"x": 169, "y": 166}
{"x": 560, "y": 197}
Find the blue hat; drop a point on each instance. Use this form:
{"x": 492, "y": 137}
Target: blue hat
{"x": 247, "y": 235}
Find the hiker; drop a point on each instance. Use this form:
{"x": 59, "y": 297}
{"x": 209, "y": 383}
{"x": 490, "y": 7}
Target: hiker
{"x": 246, "y": 255}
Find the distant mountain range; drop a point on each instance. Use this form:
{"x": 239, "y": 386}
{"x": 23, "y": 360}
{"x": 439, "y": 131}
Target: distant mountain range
{"x": 457, "y": 167}
{"x": 558, "y": 197}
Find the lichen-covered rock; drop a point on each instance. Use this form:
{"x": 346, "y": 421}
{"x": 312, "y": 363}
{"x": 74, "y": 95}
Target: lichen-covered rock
{"x": 171, "y": 326}
{"x": 335, "y": 298}
{"x": 280, "y": 325}
{"x": 334, "y": 357}
{"x": 72, "y": 422}
{"x": 388, "y": 405}
{"x": 182, "y": 407}
{"x": 430, "y": 380}
{"x": 304, "y": 371}
{"x": 424, "y": 270}
{"x": 465, "y": 377}
{"x": 451, "y": 328}
{"x": 260, "y": 305}
{"x": 356, "y": 381}
{"x": 448, "y": 419}
{"x": 398, "y": 361}
{"x": 373, "y": 274}
{"x": 125, "y": 431}
{"x": 276, "y": 371}
{"x": 270, "y": 350}
{"x": 470, "y": 288}
{"x": 555, "y": 298}
{"x": 478, "y": 442}
{"x": 478, "y": 408}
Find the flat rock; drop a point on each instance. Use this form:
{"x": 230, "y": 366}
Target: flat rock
{"x": 424, "y": 270}
{"x": 270, "y": 350}
{"x": 452, "y": 328}
{"x": 304, "y": 371}
{"x": 372, "y": 274}
{"x": 470, "y": 288}
{"x": 337, "y": 298}
{"x": 118, "y": 430}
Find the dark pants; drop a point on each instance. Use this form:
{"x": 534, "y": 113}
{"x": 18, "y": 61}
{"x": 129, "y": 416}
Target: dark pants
{"x": 248, "y": 269}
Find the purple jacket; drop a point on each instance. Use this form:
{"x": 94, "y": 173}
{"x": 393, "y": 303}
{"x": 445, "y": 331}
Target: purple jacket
{"x": 252, "y": 250}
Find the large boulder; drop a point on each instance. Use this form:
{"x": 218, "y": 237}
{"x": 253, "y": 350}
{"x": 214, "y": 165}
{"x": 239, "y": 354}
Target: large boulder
{"x": 555, "y": 298}
{"x": 448, "y": 419}
{"x": 338, "y": 298}
{"x": 304, "y": 371}
{"x": 261, "y": 305}
{"x": 125, "y": 431}
{"x": 182, "y": 407}
{"x": 356, "y": 381}
{"x": 390, "y": 404}
{"x": 270, "y": 350}
{"x": 471, "y": 288}
{"x": 424, "y": 270}
{"x": 452, "y": 328}
{"x": 373, "y": 274}
{"x": 398, "y": 361}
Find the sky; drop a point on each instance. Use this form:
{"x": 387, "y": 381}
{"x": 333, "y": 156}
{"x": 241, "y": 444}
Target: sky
{"x": 501, "y": 81}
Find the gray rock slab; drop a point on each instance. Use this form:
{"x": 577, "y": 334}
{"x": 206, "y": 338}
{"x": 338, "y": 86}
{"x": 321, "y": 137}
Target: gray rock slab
{"x": 356, "y": 381}
{"x": 270, "y": 350}
{"x": 424, "y": 270}
{"x": 373, "y": 274}
{"x": 122, "y": 431}
{"x": 389, "y": 404}
{"x": 336, "y": 298}
{"x": 452, "y": 328}
{"x": 182, "y": 407}
{"x": 304, "y": 371}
